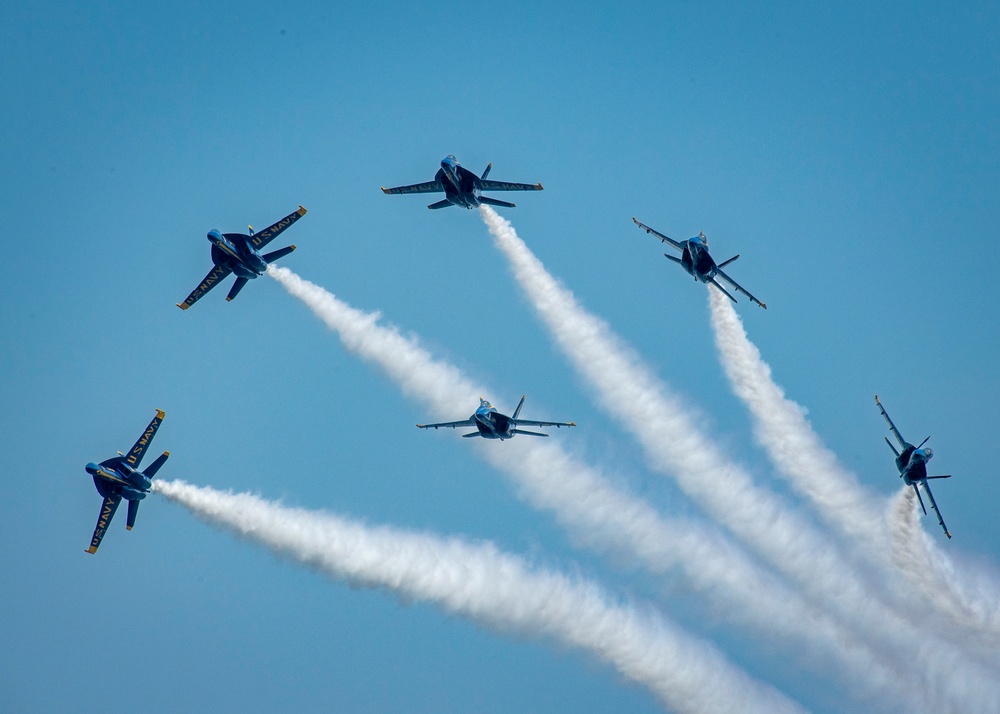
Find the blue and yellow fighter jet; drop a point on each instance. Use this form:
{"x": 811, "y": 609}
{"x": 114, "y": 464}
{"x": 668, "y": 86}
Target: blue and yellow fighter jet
{"x": 119, "y": 478}
{"x": 696, "y": 261}
{"x": 239, "y": 253}
{"x": 491, "y": 424}
{"x": 462, "y": 187}
{"x": 912, "y": 465}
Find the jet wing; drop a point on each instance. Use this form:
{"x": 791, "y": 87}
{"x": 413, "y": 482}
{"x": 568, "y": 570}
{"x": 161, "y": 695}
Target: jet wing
{"x": 486, "y": 185}
{"x": 738, "y": 287}
{"x": 108, "y": 509}
{"x": 217, "y": 273}
{"x": 261, "y": 238}
{"x": 448, "y": 424}
{"x": 892, "y": 427}
{"x": 930, "y": 495}
{"x": 133, "y": 457}
{"x": 659, "y": 235}
{"x": 529, "y": 422}
{"x": 427, "y": 187}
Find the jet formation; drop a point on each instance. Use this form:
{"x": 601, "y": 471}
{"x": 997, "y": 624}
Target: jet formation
{"x": 912, "y": 465}
{"x": 491, "y": 424}
{"x": 119, "y": 477}
{"x": 239, "y": 254}
{"x": 696, "y": 260}
{"x": 462, "y": 187}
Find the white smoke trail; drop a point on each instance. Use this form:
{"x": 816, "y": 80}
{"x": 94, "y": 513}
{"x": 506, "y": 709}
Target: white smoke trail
{"x": 781, "y": 427}
{"x": 973, "y": 607}
{"x": 479, "y": 582}
{"x": 627, "y": 389}
{"x": 604, "y": 517}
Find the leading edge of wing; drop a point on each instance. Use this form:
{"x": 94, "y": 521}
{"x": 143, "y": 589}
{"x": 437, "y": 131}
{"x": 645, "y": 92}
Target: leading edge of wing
{"x": 531, "y": 422}
{"x": 215, "y": 275}
{"x": 739, "y": 288}
{"x": 448, "y": 424}
{"x": 426, "y": 187}
{"x": 663, "y": 238}
{"x": 487, "y": 185}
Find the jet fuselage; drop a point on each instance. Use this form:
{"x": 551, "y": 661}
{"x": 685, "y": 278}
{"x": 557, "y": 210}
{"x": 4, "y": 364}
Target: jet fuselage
{"x": 460, "y": 185}
{"x": 912, "y": 464}
{"x": 233, "y": 251}
{"x": 114, "y": 477}
{"x": 696, "y": 260}
{"x": 492, "y": 424}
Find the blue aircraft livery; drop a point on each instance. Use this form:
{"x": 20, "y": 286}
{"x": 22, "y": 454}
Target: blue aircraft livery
{"x": 239, "y": 253}
{"x": 463, "y": 188}
{"x": 491, "y": 424}
{"x": 911, "y": 463}
{"x": 696, "y": 260}
{"x": 119, "y": 478}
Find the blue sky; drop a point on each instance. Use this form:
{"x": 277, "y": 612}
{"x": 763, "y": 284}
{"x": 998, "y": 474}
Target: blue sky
{"x": 849, "y": 153}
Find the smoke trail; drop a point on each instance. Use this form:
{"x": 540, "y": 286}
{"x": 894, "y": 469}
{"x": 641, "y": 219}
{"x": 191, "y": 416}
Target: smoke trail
{"x": 974, "y": 608}
{"x": 781, "y": 427}
{"x": 479, "y": 582}
{"x": 628, "y": 390}
{"x": 605, "y": 517}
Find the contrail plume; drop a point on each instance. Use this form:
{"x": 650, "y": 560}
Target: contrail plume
{"x": 974, "y": 608}
{"x": 605, "y": 517}
{"x": 781, "y": 427}
{"x": 629, "y": 391}
{"x": 478, "y": 582}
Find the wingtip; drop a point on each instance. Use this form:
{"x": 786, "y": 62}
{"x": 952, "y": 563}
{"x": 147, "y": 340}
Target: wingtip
{"x": 182, "y": 305}
{"x": 764, "y": 305}
{"x": 384, "y": 189}
{"x": 539, "y": 187}
{"x": 128, "y": 528}
{"x": 572, "y": 423}
{"x": 160, "y": 413}
{"x": 228, "y": 299}
{"x": 91, "y": 550}
{"x": 302, "y": 210}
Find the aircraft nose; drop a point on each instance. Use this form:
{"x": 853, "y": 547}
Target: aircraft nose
{"x": 214, "y": 236}
{"x": 92, "y": 468}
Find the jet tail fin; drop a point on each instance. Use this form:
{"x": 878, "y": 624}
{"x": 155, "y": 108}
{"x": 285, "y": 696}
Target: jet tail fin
{"x": 724, "y": 263}
{"x": 441, "y": 204}
{"x": 917, "y": 491}
{"x": 892, "y": 447}
{"x": 487, "y": 171}
{"x": 133, "y": 510}
{"x": 495, "y": 202}
{"x": 151, "y": 470}
{"x": 518, "y": 410}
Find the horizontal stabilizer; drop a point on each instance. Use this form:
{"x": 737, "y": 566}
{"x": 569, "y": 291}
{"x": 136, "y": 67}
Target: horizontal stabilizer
{"x": 495, "y": 202}
{"x": 529, "y": 433}
{"x": 673, "y": 258}
{"x": 724, "y": 291}
{"x": 235, "y": 290}
{"x": 275, "y": 254}
{"x": 942, "y": 476}
{"x": 892, "y": 447}
{"x": 724, "y": 263}
{"x": 133, "y": 509}
{"x": 441, "y": 204}
{"x": 467, "y": 436}
{"x": 151, "y": 470}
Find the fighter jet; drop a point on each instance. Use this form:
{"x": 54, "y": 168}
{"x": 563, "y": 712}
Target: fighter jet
{"x": 491, "y": 424}
{"x": 119, "y": 478}
{"x": 912, "y": 465}
{"x": 696, "y": 260}
{"x": 462, "y": 187}
{"x": 239, "y": 253}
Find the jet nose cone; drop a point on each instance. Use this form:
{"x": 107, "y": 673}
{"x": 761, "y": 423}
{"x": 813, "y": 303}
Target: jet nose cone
{"x": 214, "y": 236}
{"x": 92, "y": 468}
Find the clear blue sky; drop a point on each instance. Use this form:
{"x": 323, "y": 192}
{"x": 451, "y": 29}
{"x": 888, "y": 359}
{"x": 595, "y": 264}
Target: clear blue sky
{"x": 849, "y": 153}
